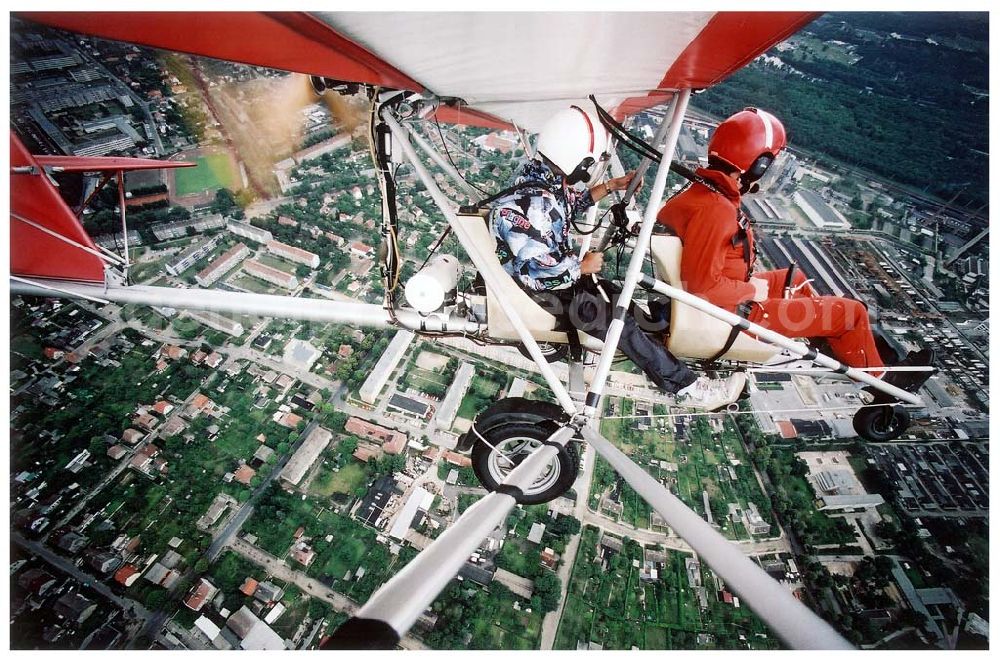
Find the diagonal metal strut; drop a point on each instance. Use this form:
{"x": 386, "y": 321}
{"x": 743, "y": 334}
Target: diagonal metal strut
{"x": 395, "y": 607}
{"x": 789, "y": 618}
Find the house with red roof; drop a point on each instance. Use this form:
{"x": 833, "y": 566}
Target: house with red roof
{"x": 249, "y": 586}
{"x": 163, "y": 407}
{"x": 202, "y": 592}
{"x": 457, "y": 459}
{"x": 244, "y": 474}
{"x": 127, "y": 575}
{"x": 132, "y": 436}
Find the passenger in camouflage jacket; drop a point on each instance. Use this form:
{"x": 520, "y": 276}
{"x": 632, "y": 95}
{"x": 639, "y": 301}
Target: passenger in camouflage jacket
{"x": 531, "y": 227}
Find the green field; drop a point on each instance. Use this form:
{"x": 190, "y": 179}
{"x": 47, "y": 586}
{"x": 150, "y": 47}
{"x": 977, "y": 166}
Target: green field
{"x": 212, "y": 172}
{"x": 276, "y": 263}
{"x": 346, "y": 480}
{"x": 252, "y": 284}
{"x": 609, "y": 604}
{"x": 481, "y": 394}
{"x": 708, "y": 459}
{"x": 145, "y": 270}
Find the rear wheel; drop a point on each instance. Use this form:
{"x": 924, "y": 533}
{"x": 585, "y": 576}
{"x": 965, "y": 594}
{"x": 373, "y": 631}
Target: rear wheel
{"x": 552, "y": 353}
{"x": 505, "y": 446}
{"x": 881, "y": 423}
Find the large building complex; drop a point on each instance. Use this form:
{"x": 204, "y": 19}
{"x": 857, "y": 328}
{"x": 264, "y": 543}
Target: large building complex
{"x": 196, "y": 251}
{"x": 373, "y": 432}
{"x": 217, "y": 321}
{"x": 68, "y": 102}
{"x": 303, "y": 459}
{"x": 420, "y": 499}
{"x": 373, "y": 385}
{"x": 222, "y": 265}
{"x": 449, "y": 407}
{"x": 820, "y": 214}
{"x": 835, "y": 484}
{"x": 179, "y": 229}
{"x": 272, "y": 275}
{"x": 812, "y": 257}
{"x": 767, "y": 211}
{"x": 294, "y": 254}
{"x": 248, "y": 231}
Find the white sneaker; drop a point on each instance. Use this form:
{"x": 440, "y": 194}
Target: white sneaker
{"x": 711, "y": 395}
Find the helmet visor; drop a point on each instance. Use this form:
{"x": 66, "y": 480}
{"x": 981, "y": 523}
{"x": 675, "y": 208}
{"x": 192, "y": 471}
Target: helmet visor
{"x": 758, "y": 168}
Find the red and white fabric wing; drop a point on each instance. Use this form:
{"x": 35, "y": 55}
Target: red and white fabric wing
{"x": 510, "y": 66}
{"x": 504, "y": 67}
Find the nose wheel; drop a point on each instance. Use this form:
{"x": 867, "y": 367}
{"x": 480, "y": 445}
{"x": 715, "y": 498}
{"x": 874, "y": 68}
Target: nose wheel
{"x": 506, "y": 433}
{"x": 553, "y": 353}
{"x": 504, "y": 448}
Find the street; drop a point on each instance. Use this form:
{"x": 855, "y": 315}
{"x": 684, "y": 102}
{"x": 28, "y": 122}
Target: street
{"x": 223, "y": 537}
{"x": 278, "y": 569}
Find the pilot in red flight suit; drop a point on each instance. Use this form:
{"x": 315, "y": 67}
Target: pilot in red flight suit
{"x": 719, "y": 253}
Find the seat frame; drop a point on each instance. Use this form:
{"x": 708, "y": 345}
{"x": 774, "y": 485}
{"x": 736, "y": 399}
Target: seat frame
{"x": 693, "y": 334}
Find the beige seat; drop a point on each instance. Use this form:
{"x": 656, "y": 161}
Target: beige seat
{"x": 694, "y": 334}
{"x": 539, "y": 322}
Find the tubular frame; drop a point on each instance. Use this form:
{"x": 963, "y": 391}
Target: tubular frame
{"x": 313, "y": 309}
{"x": 780, "y": 340}
{"x": 634, "y": 272}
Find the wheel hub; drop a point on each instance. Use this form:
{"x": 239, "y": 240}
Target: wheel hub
{"x": 511, "y": 452}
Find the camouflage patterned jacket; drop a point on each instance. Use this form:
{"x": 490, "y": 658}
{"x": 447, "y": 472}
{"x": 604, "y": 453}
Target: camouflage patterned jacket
{"x": 531, "y": 228}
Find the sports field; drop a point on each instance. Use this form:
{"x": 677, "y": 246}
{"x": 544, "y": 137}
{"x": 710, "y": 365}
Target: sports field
{"x": 214, "y": 171}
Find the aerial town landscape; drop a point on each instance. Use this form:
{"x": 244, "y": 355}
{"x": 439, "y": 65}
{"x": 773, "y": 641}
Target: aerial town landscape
{"x": 186, "y": 479}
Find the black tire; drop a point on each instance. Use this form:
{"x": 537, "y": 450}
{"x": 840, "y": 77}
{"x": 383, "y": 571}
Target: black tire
{"x": 881, "y": 423}
{"x": 553, "y": 353}
{"x": 520, "y": 408}
{"x": 513, "y": 409}
{"x": 516, "y": 440}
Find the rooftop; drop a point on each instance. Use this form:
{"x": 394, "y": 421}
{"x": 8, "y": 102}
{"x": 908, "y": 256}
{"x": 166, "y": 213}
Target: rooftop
{"x": 308, "y": 452}
{"x": 408, "y": 404}
{"x": 301, "y": 353}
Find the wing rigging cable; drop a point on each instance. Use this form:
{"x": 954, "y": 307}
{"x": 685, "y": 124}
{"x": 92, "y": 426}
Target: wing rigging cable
{"x": 50, "y": 239}
{"x": 49, "y": 235}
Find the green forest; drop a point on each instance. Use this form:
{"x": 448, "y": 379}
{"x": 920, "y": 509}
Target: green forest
{"x": 902, "y": 95}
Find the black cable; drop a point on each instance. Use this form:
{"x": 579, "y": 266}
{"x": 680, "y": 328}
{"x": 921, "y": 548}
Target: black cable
{"x": 596, "y": 226}
{"x": 618, "y": 261}
{"x": 437, "y": 244}
{"x": 637, "y": 144}
{"x": 447, "y": 152}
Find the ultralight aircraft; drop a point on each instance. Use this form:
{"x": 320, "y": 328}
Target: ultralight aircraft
{"x": 502, "y": 71}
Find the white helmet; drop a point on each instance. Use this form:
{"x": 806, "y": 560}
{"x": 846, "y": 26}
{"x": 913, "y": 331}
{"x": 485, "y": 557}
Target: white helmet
{"x": 576, "y": 142}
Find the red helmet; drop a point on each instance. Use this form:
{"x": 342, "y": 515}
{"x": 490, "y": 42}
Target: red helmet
{"x": 746, "y": 136}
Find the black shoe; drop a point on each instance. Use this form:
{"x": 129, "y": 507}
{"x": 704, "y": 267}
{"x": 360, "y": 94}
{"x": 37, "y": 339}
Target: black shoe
{"x": 911, "y": 381}
{"x": 886, "y": 350}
